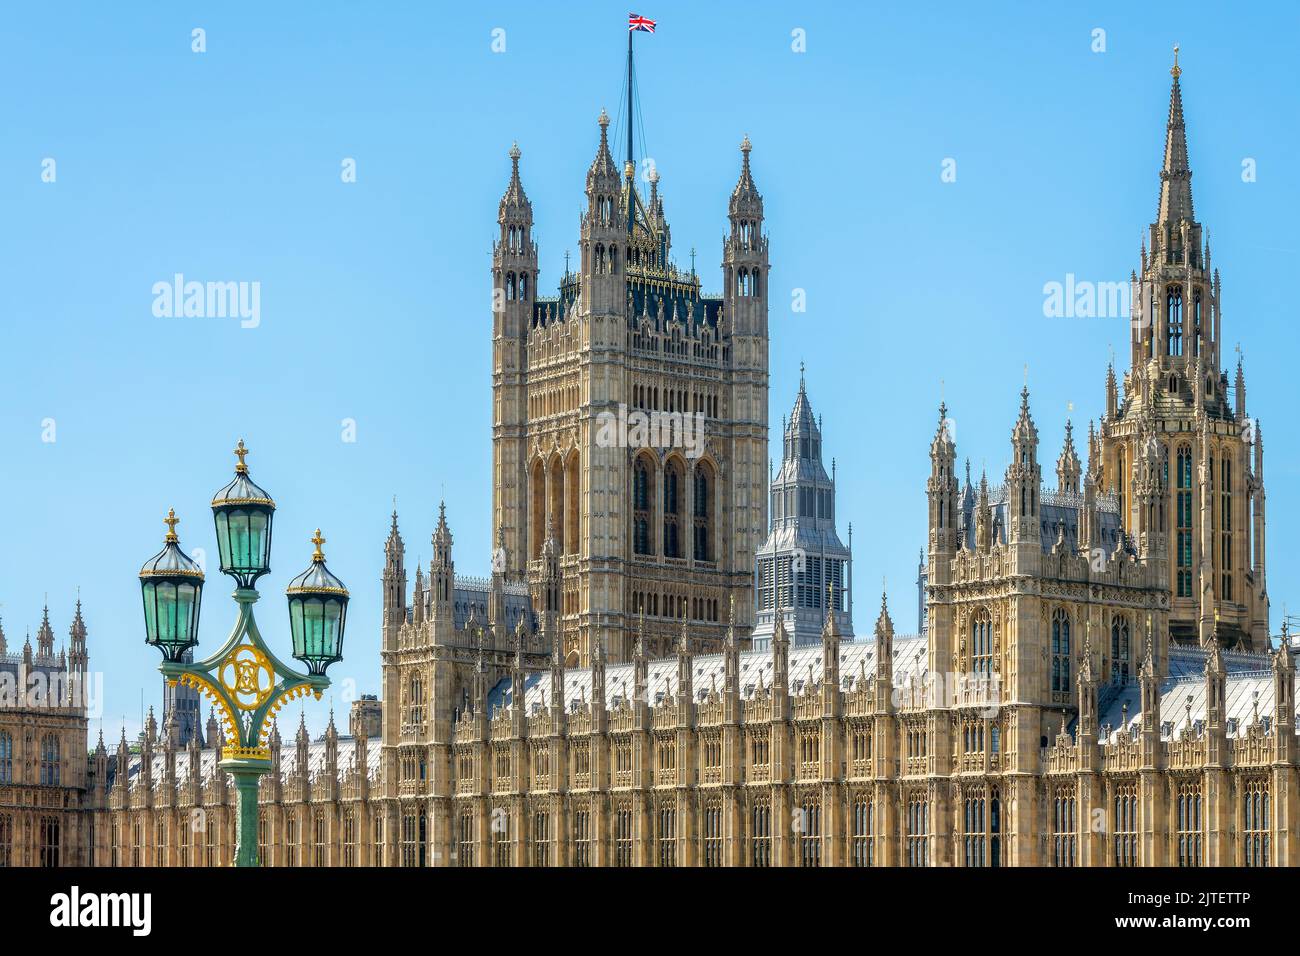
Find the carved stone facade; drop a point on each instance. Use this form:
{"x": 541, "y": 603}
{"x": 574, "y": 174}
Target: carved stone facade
{"x": 1067, "y": 703}
{"x": 43, "y": 769}
{"x": 661, "y": 522}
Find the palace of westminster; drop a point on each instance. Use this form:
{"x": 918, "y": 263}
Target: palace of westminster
{"x": 648, "y": 679}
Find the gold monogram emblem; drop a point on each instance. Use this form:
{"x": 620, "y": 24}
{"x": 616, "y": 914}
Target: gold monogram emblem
{"x": 247, "y": 676}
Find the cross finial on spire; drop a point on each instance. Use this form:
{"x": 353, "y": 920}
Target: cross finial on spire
{"x": 171, "y": 521}
{"x": 240, "y": 453}
{"x": 317, "y": 540}
{"x": 1177, "y": 70}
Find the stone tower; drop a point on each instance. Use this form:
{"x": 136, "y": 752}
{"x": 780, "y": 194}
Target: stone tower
{"x": 630, "y": 416}
{"x": 1179, "y": 452}
{"x": 803, "y": 553}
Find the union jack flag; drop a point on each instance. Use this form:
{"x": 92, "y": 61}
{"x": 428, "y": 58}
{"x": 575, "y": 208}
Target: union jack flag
{"x": 637, "y": 22}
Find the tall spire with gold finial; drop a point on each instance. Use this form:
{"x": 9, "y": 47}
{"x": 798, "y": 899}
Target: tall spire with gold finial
{"x": 1175, "y": 175}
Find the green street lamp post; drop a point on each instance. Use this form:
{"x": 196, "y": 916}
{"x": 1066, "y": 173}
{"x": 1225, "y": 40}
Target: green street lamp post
{"x": 246, "y": 683}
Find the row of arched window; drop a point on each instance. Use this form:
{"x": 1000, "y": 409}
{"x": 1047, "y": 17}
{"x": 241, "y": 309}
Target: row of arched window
{"x": 50, "y": 771}
{"x": 516, "y": 286}
{"x": 677, "y": 526}
{"x": 554, "y": 504}
{"x": 652, "y": 398}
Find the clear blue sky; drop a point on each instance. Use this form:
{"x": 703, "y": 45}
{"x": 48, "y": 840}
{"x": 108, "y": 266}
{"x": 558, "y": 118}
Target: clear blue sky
{"x": 375, "y": 295}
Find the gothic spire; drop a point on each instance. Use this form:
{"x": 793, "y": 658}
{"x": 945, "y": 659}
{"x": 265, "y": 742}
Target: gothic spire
{"x": 515, "y": 197}
{"x": 1175, "y": 176}
{"x": 393, "y": 546}
{"x": 745, "y": 198}
{"x": 602, "y": 167}
{"x": 45, "y": 635}
{"x": 1067, "y": 466}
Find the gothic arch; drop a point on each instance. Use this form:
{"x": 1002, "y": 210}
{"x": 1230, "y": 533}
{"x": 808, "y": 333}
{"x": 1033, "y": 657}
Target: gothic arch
{"x": 556, "y": 513}
{"x": 572, "y": 513}
{"x": 644, "y": 469}
{"x": 704, "y": 518}
{"x": 674, "y": 502}
{"x": 537, "y": 506}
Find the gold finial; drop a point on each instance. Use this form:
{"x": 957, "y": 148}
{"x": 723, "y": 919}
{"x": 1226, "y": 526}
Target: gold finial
{"x": 240, "y": 452}
{"x": 317, "y": 540}
{"x": 1177, "y": 71}
{"x": 171, "y": 521}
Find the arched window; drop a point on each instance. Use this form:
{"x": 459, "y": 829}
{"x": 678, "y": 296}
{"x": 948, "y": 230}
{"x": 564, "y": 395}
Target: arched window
{"x": 1183, "y": 558}
{"x": 537, "y": 503}
{"x": 1196, "y": 321}
{"x": 556, "y": 522}
{"x": 981, "y": 642}
{"x": 1174, "y": 311}
{"x": 6, "y": 757}
{"x": 703, "y": 512}
{"x": 50, "y": 760}
{"x": 642, "y": 506}
{"x": 1060, "y": 652}
{"x": 674, "y": 499}
{"x": 1121, "y": 483}
{"x": 1119, "y": 649}
{"x": 571, "y": 511}
{"x": 1225, "y": 528}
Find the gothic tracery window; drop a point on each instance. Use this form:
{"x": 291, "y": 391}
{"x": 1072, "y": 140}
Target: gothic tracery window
{"x": 1060, "y": 652}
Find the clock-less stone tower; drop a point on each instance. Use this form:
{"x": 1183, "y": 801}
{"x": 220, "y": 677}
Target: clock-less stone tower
{"x": 667, "y": 524}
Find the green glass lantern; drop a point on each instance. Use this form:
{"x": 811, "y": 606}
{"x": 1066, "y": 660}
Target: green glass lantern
{"x": 318, "y": 610}
{"x": 243, "y": 512}
{"x": 172, "y": 585}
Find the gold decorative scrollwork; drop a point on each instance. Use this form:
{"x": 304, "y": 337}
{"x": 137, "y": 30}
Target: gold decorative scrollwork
{"x": 247, "y": 676}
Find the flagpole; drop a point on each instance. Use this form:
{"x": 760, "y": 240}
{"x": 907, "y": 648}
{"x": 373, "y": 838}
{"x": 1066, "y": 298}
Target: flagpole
{"x": 631, "y": 201}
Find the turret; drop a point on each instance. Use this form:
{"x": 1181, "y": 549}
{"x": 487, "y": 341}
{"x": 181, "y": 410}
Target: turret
{"x": 1086, "y": 731}
{"x": 941, "y": 492}
{"x": 514, "y": 258}
{"x": 78, "y": 657}
{"x": 301, "y": 742}
{"x": 831, "y": 643}
{"x": 442, "y": 570}
{"x": 884, "y": 654}
{"x": 331, "y": 749}
{"x": 419, "y": 597}
{"x": 1216, "y": 686}
{"x": 1149, "y": 683}
{"x": 598, "y": 677}
{"x": 497, "y": 590}
{"x": 1024, "y": 478}
{"x": 518, "y": 672}
{"x": 731, "y": 653}
{"x": 685, "y": 668}
{"x": 1067, "y": 466}
{"x": 603, "y": 237}
{"x": 640, "y": 663}
{"x": 393, "y": 584}
{"x": 45, "y": 636}
{"x": 744, "y": 255}
{"x": 1283, "y": 669}
{"x": 780, "y": 665}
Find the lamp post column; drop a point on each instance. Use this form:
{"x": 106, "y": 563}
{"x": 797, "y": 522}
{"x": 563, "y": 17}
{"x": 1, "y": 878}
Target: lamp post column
{"x": 246, "y": 781}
